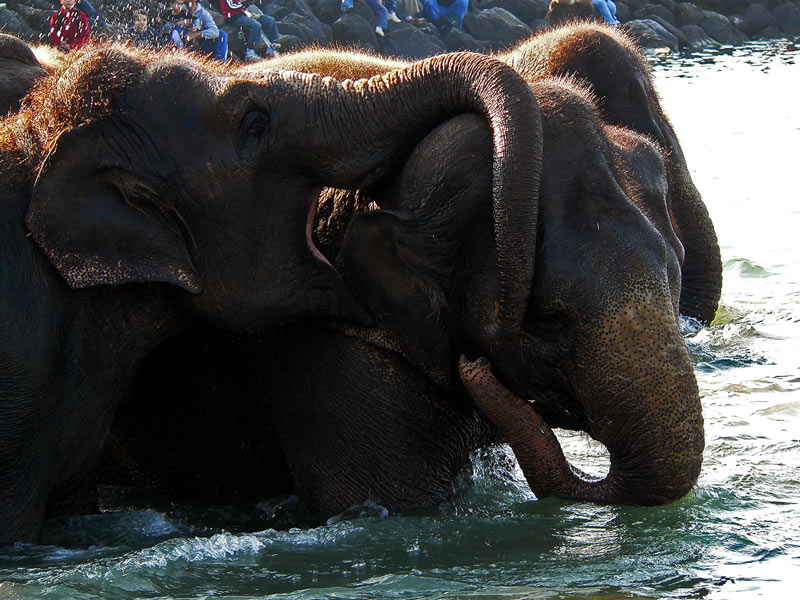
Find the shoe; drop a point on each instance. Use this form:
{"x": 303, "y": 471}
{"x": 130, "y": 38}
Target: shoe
{"x": 393, "y": 18}
{"x": 379, "y": 31}
{"x": 250, "y": 55}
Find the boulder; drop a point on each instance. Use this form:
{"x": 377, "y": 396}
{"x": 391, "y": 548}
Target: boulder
{"x": 11, "y": 23}
{"x": 755, "y": 19}
{"x": 409, "y": 42}
{"x": 623, "y": 12}
{"x": 650, "y": 34}
{"x": 655, "y": 10}
{"x": 37, "y": 18}
{"x": 327, "y": 11}
{"x": 352, "y": 30}
{"x": 788, "y": 16}
{"x": 687, "y": 13}
{"x": 496, "y": 25}
{"x": 633, "y": 5}
{"x": 526, "y": 11}
{"x": 718, "y": 27}
{"x": 308, "y": 29}
{"x": 457, "y": 39}
{"x": 697, "y": 37}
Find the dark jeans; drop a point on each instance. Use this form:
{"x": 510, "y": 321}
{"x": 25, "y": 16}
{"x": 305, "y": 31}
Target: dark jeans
{"x": 253, "y": 28}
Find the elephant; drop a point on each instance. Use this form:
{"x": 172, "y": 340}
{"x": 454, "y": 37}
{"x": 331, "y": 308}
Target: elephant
{"x": 609, "y": 61}
{"x": 145, "y": 192}
{"x": 350, "y": 413}
{"x": 19, "y": 70}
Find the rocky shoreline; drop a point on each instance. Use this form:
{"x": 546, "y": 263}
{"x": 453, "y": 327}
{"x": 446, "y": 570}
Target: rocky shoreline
{"x": 490, "y": 25}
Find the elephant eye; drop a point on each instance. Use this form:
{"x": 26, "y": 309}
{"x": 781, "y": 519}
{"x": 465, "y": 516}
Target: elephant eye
{"x": 254, "y": 126}
{"x": 255, "y": 123}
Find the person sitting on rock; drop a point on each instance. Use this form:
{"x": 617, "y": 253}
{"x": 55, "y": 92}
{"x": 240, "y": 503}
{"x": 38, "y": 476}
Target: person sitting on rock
{"x": 384, "y": 11}
{"x": 176, "y": 23}
{"x": 69, "y": 27}
{"x": 446, "y": 14}
{"x": 235, "y": 12}
{"x": 563, "y": 11}
{"x": 140, "y": 33}
{"x": 204, "y": 33}
{"x": 607, "y": 9}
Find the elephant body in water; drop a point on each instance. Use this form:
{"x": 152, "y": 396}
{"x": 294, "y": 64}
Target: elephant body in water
{"x": 352, "y": 413}
{"x": 144, "y": 192}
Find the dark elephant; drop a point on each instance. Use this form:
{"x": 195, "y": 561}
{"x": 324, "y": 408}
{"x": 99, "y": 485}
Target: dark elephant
{"x": 378, "y": 413}
{"x": 159, "y": 190}
{"x": 19, "y": 70}
{"x": 611, "y": 64}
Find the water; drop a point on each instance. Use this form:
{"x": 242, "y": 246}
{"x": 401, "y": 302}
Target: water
{"x": 737, "y": 535}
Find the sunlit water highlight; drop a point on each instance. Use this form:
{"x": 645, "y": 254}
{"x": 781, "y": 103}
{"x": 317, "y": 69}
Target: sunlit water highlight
{"x": 736, "y": 535}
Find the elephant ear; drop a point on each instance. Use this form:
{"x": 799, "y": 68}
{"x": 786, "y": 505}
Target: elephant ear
{"x": 389, "y": 262}
{"x": 100, "y": 224}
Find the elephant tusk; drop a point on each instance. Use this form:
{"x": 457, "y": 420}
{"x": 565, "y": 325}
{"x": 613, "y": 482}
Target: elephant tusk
{"x": 312, "y": 213}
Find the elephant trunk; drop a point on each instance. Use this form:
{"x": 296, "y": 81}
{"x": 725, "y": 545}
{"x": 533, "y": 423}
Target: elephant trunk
{"x": 369, "y": 127}
{"x": 644, "y": 407}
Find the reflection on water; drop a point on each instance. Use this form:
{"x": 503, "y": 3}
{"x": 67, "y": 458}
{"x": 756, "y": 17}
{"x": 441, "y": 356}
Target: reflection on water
{"x": 736, "y": 535}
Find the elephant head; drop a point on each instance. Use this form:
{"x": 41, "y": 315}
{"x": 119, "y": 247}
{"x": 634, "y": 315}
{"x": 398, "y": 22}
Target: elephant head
{"x": 601, "y": 345}
{"x": 162, "y": 168}
{"x": 19, "y": 70}
{"x": 610, "y": 62}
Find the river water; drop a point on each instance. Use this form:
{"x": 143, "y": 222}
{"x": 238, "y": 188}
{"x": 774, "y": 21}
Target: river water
{"x": 736, "y": 535}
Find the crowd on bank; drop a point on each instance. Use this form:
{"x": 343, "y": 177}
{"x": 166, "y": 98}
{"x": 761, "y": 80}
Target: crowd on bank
{"x": 185, "y": 25}
{"x": 440, "y": 25}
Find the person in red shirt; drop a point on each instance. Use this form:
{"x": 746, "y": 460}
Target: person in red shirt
{"x": 69, "y": 27}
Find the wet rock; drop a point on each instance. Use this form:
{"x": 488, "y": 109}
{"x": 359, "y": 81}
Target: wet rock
{"x": 651, "y": 34}
{"x": 718, "y": 27}
{"x": 497, "y": 26}
{"x": 697, "y": 37}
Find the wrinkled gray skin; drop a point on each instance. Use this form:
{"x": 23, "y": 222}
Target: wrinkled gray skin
{"x": 378, "y": 412}
{"x": 19, "y": 70}
{"x": 145, "y": 214}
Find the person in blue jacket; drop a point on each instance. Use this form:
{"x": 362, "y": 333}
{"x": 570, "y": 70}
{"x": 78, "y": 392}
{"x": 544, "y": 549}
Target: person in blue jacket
{"x": 443, "y": 13}
{"x": 607, "y": 9}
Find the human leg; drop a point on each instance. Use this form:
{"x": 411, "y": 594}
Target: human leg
{"x": 380, "y": 12}
{"x": 269, "y": 27}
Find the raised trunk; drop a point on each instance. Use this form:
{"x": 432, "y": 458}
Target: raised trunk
{"x": 367, "y": 129}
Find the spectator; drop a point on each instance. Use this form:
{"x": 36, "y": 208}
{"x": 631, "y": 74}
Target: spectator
{"x": 235, "y": 13}
{"x": 384, "y": 11}
{"x": 96, "y": 20}
{"x": 69, "y": 27}
{"x": 140, "y": 33}
{"x": 607, "y": 9}
{"x": 204, "y": 33}
{"x": 175, "y": 23}
{"x": 446, "y": 13}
